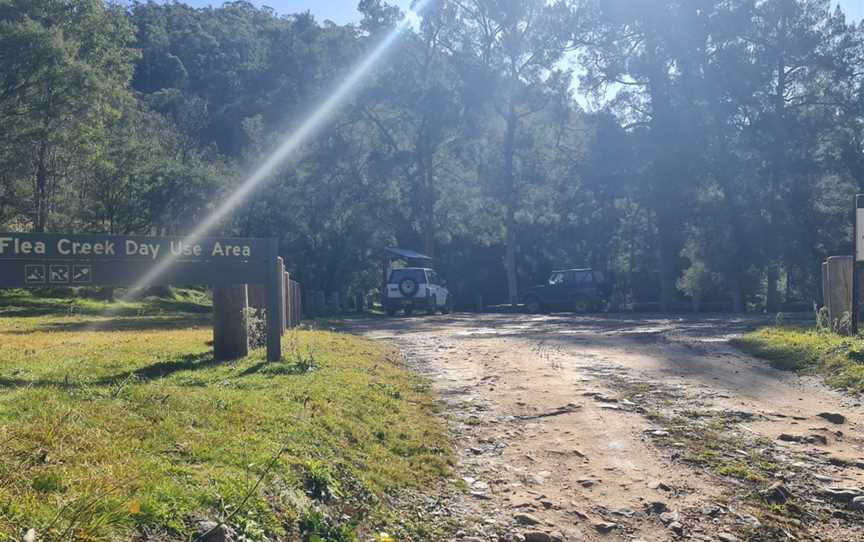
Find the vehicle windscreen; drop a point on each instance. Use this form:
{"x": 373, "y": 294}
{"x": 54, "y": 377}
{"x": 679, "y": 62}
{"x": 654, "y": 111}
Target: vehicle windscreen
{"x": 398, "y": 275}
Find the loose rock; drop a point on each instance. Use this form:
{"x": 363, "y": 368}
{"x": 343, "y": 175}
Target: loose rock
{"x": 777, "y": 494}
{"x": 210, "y": 531}
{"x": 816, "y": 439}
{"x": 669, "y": 517}
{"x": 844, "y": 494}
{"x": 676, "y": 528}
{"x": 604, "y": 527}
{"x": 657, "y": 484}
{"x": 726, "y": 537}
{"x": 526, "y": 519}
{"x": 833, "y": 417}
{"x": 857, "y": 504}
{"x": 657, "y": 507}
{"x": 537, "y": 536}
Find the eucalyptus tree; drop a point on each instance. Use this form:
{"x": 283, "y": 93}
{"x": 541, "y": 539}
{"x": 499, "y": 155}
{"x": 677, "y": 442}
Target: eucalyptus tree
{"x": 413, "y": 106}
{"x": 507, "y": 52}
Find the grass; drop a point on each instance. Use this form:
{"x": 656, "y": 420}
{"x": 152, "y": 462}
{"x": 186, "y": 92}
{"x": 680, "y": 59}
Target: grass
{"x": 122, "y": 426}
{"x": 837, "y": 358}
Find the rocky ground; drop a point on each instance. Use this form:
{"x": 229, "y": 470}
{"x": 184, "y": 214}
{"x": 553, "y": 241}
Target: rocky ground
{"x": 632, "y": 428}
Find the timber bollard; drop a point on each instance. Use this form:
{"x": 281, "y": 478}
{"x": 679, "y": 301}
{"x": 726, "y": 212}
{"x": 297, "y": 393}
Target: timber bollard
{"x": 230, "y": 326}
{"x": 825, "y": 285}
{"x": 839, "y": 299}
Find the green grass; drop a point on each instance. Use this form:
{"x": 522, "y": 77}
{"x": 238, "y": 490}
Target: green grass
{"x": 122, "y": 426}
{"x": 839, "y": 359}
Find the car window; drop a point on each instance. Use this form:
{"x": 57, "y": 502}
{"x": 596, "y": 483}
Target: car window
{"x": 398, "y": 275}
{"x": 433, "y": 277}
{"x": 556, "y": 278}
{"x": 577, "y": 278}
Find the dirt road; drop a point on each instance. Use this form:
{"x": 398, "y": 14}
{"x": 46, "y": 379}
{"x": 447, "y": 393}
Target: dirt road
{"x": 633, "y": 428}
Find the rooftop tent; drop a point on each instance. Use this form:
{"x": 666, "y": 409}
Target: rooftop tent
{"x": 410, "y": 257}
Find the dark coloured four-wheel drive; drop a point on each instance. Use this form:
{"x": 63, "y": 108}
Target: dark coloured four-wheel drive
{"x": 576, "y": 290}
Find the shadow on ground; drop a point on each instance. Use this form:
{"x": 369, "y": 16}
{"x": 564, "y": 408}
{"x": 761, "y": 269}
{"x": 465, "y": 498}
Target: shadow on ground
{"x": 154, "y": 371}
{"x": 142, "y": 323}
{"x": 638, "y": 326}
{"x": 24, "y": 307}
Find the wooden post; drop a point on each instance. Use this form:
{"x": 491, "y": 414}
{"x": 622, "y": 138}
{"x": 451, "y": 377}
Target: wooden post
{"x": 839, "y": 289}
{"x": 857, "y": 255}
{"x": 283, "y": 296}
{"x": 274, "y": 304}
{"x": 292, "y": 308}
{"x": 289, "y": 301}
{"x": 825, "y": 292}
{"x": 298, "y": 303}
{"x": 230, "y": 326}
{"x": 257, "y": 296}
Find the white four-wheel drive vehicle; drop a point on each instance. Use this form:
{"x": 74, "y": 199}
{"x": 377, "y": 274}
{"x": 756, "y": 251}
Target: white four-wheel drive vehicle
{"x": 416, "y": 288}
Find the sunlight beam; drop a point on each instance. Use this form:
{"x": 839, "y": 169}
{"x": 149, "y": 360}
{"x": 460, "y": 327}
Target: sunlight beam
{"x": 316, "y": 120}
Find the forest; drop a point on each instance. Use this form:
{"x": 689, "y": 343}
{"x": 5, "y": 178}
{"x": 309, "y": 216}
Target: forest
{"x": 703, "y": 151}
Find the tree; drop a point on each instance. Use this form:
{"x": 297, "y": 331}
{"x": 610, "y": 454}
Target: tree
{"x": 414, "y": 107}
{"x": 507, "y": 53}
{"x": 66, "y": 67}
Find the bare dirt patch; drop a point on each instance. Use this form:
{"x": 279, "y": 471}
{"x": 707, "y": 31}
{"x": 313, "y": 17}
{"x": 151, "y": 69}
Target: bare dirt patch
{"x": 634, "y": 428}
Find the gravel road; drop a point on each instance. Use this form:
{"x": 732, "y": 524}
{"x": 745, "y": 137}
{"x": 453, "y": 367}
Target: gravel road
{"x": 633, "y": 428}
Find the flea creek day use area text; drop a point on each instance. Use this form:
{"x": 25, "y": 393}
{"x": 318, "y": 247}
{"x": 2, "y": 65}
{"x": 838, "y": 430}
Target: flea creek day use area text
{"x": 432, "y": 271}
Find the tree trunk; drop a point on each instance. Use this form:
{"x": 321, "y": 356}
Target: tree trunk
{"x": 669, "y": 253}
{"x": 510, "y": 259}
{"x": 428, "y": 210}
{"x": 738, "y": 300}
{"x": 41, "y": 193}
{"x": 510, "y": 198}
{"x": 771, "y": 298}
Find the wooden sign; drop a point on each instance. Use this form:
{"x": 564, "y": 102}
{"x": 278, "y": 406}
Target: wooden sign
{"x": 31, "y": 260}
{"x": 37, "y": 260}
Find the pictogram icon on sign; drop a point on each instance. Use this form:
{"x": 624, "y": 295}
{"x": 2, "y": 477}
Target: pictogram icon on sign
{"x": 34, "y": 274}
{"x": 82, "y": 274}
{"x": 58, "y": 274}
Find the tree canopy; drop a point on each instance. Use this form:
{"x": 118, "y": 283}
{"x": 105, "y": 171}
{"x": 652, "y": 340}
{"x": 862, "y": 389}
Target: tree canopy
{"x": 702, "y": 150}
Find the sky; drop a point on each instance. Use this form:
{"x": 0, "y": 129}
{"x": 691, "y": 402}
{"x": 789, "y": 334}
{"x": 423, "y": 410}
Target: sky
{"x": 344, "y": 11}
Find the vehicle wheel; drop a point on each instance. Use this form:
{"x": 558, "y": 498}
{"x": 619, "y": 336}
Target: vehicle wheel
{"x": 433, "y": 306}
{"x": 533, "y": 305}
{"x": 582, "y": 305}
{"x": 448, "y": 307}
{"x": 408, "y": 311}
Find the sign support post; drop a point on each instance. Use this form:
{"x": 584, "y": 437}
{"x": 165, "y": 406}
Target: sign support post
{"x": 274, "y": 304}
{"x": 858, "y": 249}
